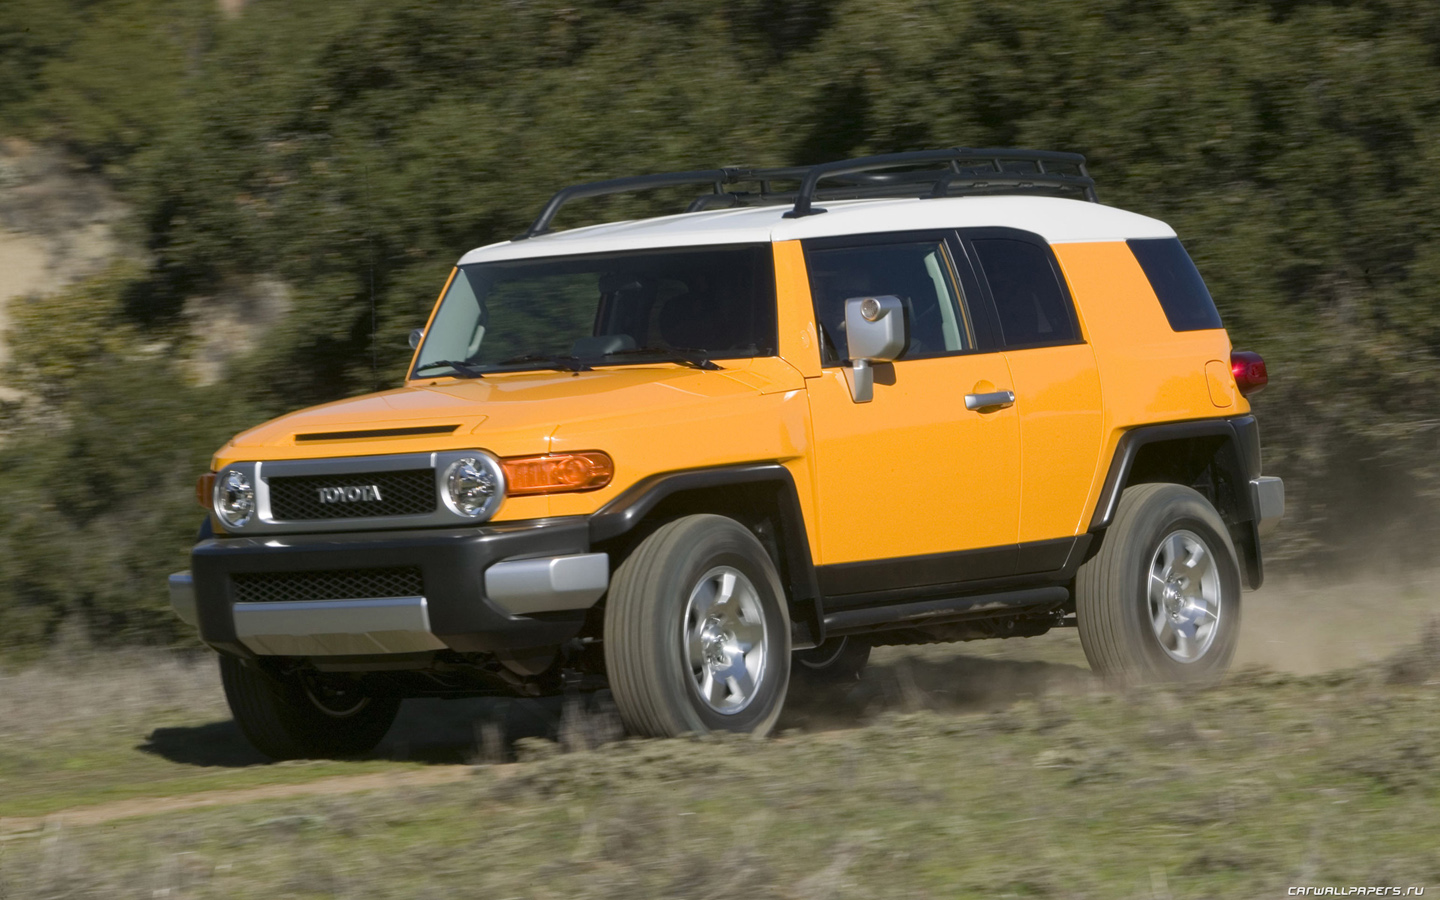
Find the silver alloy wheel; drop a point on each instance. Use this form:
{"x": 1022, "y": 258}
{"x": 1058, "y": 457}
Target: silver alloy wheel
{"x": 1184, "y": 591}
{"x": 725, "y": 639}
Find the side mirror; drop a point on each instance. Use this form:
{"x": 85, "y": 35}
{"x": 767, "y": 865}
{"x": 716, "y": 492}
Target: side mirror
{"x": 416, "y": 337}
{"x": 875, "y": 333}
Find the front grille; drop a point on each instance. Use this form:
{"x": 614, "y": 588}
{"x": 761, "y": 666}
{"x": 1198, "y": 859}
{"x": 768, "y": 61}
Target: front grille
{"x": 297, "y": 498}
{"x": 355, "y": 584}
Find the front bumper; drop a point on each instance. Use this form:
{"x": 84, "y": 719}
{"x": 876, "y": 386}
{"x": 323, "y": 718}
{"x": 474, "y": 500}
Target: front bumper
{"x": 493, "y": 588}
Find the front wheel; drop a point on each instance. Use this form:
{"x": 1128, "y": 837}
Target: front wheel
{"x": 1161, "y": 600}
{"x": 295, "y": 717}
{"x": 697, "y": 636}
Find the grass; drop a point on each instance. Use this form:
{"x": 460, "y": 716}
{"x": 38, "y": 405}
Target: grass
{"x": 109, "y": 726}
{"x": 996, "y": 769}
{"x": 1238, "y": 792}
{"x": 85, "y": 727}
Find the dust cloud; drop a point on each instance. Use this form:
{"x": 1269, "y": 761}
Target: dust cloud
{"x": 1297, "y": 624}
{"x": 1307, "y": 625}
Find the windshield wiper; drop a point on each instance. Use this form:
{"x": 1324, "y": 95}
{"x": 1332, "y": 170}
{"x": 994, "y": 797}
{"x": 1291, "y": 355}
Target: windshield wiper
{"x": 462, "y": 368}
{"x": 695, "y": 359}
{"x": 560, "y": 363}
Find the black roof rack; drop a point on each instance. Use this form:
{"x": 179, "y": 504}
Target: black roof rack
{"x": 925, "y": 173}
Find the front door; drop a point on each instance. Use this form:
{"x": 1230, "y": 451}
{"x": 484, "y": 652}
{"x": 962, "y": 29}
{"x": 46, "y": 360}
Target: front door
{"x": 914, "y": 487}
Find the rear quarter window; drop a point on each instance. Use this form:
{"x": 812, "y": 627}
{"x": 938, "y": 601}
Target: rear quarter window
{"x": 1182, "y": 292}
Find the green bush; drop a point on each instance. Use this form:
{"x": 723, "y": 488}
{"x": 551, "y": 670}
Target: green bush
{"x": 357, "y": 149}
{"x": 97, "y": 469}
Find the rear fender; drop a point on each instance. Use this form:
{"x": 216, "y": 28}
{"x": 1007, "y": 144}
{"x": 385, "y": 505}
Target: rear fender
{"x": 1219, "y": 457}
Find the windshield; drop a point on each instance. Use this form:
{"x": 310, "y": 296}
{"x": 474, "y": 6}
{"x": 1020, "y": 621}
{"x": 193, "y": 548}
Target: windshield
{"x": 613, "y": 309}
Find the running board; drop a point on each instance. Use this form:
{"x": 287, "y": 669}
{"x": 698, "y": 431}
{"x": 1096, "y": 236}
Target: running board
{"x": 927, "y": 611}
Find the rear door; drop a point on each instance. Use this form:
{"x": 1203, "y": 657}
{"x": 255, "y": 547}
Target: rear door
{"x": 1057, "y": 387}
{"x": 912, "y": 479}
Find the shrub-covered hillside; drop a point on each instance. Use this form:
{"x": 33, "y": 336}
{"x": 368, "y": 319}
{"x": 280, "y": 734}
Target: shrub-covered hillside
{"x": 351, "y": 151}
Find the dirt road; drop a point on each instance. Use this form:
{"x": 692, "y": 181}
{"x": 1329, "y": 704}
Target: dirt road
{"x": 101, "y": 813}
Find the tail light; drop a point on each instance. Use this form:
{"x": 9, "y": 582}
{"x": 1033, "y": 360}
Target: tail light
{"x": 1249, "y": 371}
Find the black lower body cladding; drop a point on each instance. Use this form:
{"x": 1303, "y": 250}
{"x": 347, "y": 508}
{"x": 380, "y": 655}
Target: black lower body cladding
{"x": 451, "y": 562}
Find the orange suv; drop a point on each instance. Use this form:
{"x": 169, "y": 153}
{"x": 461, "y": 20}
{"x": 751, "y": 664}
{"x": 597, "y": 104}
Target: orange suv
{"x": 932, "y": 396}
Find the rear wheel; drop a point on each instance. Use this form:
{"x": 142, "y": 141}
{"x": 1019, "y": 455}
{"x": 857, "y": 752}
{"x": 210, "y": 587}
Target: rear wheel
{"x": 697, "y": 636}
{"x": 295, "y": 717}
{"x": 1161, "y": 600}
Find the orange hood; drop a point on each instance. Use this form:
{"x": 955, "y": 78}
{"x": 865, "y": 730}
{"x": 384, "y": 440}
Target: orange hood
{"x": 514, "y": 413}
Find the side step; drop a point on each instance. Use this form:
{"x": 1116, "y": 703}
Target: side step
{"x": 926, "y": 611}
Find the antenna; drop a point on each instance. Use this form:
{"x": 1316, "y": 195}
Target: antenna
{"x": 370, "y": 258}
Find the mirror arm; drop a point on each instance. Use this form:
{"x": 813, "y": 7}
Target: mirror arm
{"x": 861, "y": 378}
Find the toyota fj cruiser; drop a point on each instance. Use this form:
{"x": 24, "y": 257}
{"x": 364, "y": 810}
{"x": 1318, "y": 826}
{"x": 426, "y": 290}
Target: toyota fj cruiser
{"x": 931, "y": 396}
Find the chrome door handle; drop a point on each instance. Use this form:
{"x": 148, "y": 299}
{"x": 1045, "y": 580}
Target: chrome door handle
{"x": 992, "y": 400}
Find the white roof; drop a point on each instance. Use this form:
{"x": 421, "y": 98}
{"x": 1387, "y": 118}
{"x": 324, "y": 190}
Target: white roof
{"x": 1057, "y": 220}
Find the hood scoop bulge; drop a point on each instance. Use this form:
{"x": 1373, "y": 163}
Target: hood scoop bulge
{"x": 371, "y": 434}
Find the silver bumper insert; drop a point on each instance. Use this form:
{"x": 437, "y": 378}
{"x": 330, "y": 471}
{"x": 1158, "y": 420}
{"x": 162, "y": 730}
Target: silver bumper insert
{"x": 336, "y": 627}
{"x": 1269, "y": 495}
{"x": 551, "y": 584}
{"x": 182, "y": 598}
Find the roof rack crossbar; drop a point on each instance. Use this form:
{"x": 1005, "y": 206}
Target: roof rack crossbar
{"x": 716, "y": 178}
{"x": 991, "y": 171}
{"x": 953, "y": 157}
{"x": 974, "y": 183}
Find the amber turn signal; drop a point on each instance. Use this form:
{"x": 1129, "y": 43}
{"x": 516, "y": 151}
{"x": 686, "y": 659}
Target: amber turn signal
{"x": 205, "y": 489}
{"x": 557, "y": 473}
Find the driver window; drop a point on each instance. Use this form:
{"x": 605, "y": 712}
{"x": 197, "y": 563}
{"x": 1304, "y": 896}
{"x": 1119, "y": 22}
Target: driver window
{"x": 920, "y": 274}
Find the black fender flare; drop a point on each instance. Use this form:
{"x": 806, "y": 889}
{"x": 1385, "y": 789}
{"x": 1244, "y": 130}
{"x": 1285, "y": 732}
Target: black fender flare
{"x": 1241, "y": 460}
{"x": 630, "y": 509}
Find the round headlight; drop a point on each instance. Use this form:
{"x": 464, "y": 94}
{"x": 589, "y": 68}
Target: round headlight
{"x": 234, "y": 498}
{"x": 474, "y": 486}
